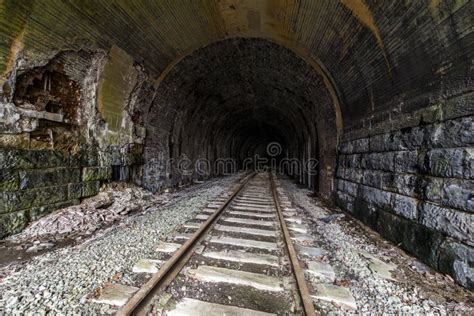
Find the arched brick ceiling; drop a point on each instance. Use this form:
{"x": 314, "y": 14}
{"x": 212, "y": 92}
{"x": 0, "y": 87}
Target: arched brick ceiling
{"x": 233, "y": 97}
{"x": 380, "y": 56}
{"x": 232, "y": 85}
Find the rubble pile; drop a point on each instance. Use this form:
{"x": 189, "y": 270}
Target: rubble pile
{"x": 115, "y": 201}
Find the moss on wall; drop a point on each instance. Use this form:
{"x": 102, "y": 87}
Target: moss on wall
{"x": 117, "y": 79}
{"x": 13, "y": 17}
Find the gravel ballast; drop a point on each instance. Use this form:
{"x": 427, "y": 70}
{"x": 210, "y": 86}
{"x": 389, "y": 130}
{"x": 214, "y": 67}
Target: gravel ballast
{"x": 359, "y": 255}
{"x": 62, "y": 281}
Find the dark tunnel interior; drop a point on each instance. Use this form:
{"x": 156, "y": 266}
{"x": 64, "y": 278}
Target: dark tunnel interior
{"x": 234, "y": 98}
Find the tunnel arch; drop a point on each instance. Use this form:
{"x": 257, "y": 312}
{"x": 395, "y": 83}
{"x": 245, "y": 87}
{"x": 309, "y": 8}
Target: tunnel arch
{"x": 375, "y": 72}
{"x": 297, "y": 48}
{"x": 211, "y": 103}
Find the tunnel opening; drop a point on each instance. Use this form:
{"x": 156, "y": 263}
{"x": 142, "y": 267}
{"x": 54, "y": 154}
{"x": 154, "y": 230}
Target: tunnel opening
{"x": 241, "y": 103}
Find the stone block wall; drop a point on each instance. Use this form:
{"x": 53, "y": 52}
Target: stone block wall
{"x": 415, "y": 187}
{"x": 36, "y": 182}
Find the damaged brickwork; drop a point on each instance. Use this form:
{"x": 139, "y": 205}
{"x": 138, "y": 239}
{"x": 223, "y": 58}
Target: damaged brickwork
{"x": 57, "y": 147}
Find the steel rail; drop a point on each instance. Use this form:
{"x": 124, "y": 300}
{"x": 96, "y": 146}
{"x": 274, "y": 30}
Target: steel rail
{"x": 308, "y": 306}
{"x": 159, "y": 281}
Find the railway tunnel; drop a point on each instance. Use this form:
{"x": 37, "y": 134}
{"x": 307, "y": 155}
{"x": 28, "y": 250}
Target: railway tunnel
{"x": 234, "y": 97}
{"x": 365, "y": 107}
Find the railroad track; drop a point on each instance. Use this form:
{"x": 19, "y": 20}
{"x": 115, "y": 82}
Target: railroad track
{"x": 236, "y": 257}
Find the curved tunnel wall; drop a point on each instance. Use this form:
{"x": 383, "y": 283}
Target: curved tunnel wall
{"x": 235, "y": 93}
{"x": 80, "y": 81}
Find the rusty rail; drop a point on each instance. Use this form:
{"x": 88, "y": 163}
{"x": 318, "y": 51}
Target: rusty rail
{"x": 137, "y": 305}
{"x": 295, "y": 264}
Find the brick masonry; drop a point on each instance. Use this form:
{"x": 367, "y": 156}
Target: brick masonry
{"x": 56, "y": 152}
{"x": 238, "y": 88}
{"x": 415, "y": 187}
